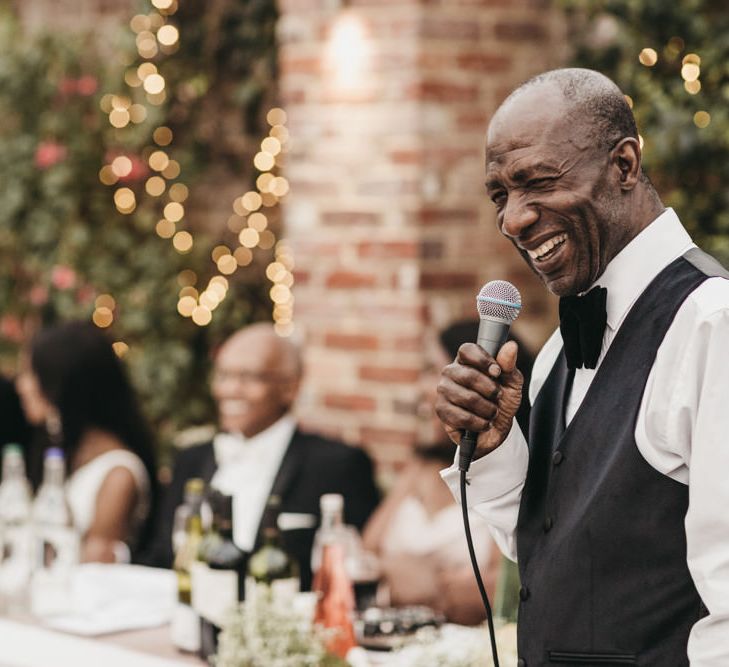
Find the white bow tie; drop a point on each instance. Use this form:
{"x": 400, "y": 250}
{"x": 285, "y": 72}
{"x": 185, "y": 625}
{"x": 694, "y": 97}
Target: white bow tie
{"x": 232, "y": 447}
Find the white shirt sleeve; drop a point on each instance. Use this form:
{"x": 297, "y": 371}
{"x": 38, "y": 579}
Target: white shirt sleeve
{"x": 494, "y": 489}
{"x": 682, "y": 431}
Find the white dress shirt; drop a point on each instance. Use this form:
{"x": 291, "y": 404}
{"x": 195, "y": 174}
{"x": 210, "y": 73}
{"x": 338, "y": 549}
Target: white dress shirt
{"x": 682, "y": 429}
{"x": 247, "y": 468}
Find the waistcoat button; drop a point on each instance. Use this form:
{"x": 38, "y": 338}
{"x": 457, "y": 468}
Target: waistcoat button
{"x": 523, "y": 593}
{"x": 557, "y": 458}
{"x": 521, "y": 663}
{"x": 548, "y": 524}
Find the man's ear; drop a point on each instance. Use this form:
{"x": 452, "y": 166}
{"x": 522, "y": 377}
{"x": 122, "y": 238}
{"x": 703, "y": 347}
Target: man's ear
{"x": 625, "y": 158}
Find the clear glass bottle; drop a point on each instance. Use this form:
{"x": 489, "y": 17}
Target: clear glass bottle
{"x": 272, "y": 571}
{"x": 218, "y": 576}
{"x": 335, "y": 602}
{"x": 185, "y": 625}
{"x": 15, "y": 531}
{"x": 56, "y": 543}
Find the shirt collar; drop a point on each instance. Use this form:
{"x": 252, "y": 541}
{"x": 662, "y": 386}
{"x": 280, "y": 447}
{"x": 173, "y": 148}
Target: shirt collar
{"x": 633, "y": 268}
{"x": 229, "y": 447}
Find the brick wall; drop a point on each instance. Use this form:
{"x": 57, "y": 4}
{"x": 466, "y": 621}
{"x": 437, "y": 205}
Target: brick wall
{"x": 388, "y": 101}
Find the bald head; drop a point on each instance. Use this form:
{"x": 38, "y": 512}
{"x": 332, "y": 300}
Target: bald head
{"x": 591, "y": 103}
{"x": 256, "y": 379}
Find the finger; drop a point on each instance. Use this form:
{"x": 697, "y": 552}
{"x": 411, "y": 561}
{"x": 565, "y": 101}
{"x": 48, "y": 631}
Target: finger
{"x": 464, "y": 397}
{"x": 473, "y": 380}
{"x": 457, "y": 419}
{"x": 470, "y": 354}
{"x": 506, "y": 357}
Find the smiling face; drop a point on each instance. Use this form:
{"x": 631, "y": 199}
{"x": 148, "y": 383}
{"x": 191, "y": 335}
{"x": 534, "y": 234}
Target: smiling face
{"x": 255, "y": 380}
{"x": 557, "y": 194}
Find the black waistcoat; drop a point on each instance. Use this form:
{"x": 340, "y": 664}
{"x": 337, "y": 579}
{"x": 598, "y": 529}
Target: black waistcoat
{"x": 600, "y": 537}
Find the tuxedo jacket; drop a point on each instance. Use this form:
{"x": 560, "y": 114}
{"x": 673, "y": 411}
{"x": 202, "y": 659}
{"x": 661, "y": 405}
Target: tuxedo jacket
{"x": 311, "y": 466}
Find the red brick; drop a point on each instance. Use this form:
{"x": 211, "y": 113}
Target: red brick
{"x": 429, "y": 216}
{"x": 432, "y": 249}
{"x": 483, "y": 62}
{"x": 437, "y": 28}
{"x": 378, "y": 437}
{"x": 358, "y": 402}
{"x": 314, "y": 187}
{"x": 350, "y": 218}
{"x": 472, "y": 120}
{"x": 301, "y": 277}
{"x": 351, "y": 341}
{"x": 389, "y": 374}
{"x": 408, "y": 344}
{"x": 300, "y": 65}
{"x": 447, "y": 280}
{"x": 407, "y": 156}
{"x": 520, "y": 31}
{"x": 388, "y": 249}
{"x": 350, "y": 280}
{"x": 442, "y": 91}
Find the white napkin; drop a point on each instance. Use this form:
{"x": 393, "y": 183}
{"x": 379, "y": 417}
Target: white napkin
{"x": 112, "y": 598}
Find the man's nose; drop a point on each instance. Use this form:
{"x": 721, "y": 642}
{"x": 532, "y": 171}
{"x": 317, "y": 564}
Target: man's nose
{"x": 518, "y": 215}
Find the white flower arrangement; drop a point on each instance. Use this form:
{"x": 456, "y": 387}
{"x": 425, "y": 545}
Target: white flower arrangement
{"x": 265, "y": 634}
{"x": 458, "y": 646}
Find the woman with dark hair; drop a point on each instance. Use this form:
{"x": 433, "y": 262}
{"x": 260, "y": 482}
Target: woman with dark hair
{"x": 76, "y": 388}
{"x": 417, "y": 531}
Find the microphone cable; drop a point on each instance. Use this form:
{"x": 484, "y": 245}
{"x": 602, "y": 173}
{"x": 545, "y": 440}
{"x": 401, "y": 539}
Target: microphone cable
{"x": 471, "y": 552}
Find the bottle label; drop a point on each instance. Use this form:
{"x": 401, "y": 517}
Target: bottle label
{"x": 214, "y": 592}
{"x": 280, "y": 592}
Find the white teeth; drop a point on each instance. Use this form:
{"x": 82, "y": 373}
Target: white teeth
{"x": 543, "y": 249}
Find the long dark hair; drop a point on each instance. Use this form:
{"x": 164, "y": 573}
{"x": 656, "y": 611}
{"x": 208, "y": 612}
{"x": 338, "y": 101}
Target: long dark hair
{"x": 81, "y": 375}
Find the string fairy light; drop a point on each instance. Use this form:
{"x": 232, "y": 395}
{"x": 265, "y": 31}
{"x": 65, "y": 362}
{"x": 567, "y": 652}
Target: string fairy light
{"x": 156, "y": 36}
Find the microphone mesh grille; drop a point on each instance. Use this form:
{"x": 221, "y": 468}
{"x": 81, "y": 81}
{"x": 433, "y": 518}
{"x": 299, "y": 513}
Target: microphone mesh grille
{"x": 499, "y": 299}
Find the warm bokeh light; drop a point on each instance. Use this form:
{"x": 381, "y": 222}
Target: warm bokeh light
{"x": 257, "y": 221}
{"x": 186, "y": 305}
{"x": 189, "y": 290}
{"x": 202, "y": 316}
{"x": 162, "y": 136}
{"x": 124, "y": 200}
{"x": 159, "y": 160}
{"x": 186, "y": 278}
{"x": 107, "y": 175}
{"x": 263, "y": 161}
{"x": 251, "y": 201}
{"x": 280, "y": 132}
{"x": 154, "y": 84}
{"x": 168, "y": 35}
{"x": 276, "y": 116}
{"x": 280, "y": 293}
{"x": 236, "y": 222}
{"x": 140, "y": 23}
{"x": 264, "y": 181}
{"x": 165, "y": 229}
{"x": 243, "y": 256}
{"x": 172, "y": 170}
{"x": 120, "y": 348}
{"x": 145, "y": 70}
{"x": 174, "y": 211}
{"x": 182, "y": 241}
{"x": 692, "y": 87}
{"x": 121, "y": 166}
{"x": 271, "y": 145}
{"x": 105, "y": 301}
{"x": 219, "y": 251}
{"x": 119, "y": 118}
{"x": 702, "y": 119}
{"x": 227, "y": 264}
{"x": 102, "y": 317}
{"x": 179, "y": 192}
{"x": 690, "y": 71}
{"x": 648, "y": 57}
{"x": 131, "y": 78}
{"x": 137, "y": 113}
{"x": 691, "y": 58}
{"x": 266, "y": 239}
{"x": 280, "y": 186}
{"x": 248, "y": 237}
{"x": 155, "y": 186}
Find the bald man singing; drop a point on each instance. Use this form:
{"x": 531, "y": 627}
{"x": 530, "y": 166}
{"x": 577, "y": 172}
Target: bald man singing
{"x": 260, "y": 451}
{"x": 616, "y": 510}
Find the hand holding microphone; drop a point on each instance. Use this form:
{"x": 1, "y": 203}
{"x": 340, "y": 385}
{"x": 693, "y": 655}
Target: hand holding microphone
{"x": 480, "y": 392}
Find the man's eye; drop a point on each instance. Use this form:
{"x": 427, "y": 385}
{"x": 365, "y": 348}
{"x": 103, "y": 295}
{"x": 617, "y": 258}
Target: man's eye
{"x": 539, "y": 182}
{"x": 499, "y": 198}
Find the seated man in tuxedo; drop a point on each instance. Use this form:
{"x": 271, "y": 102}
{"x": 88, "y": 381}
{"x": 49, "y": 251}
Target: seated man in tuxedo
{"x": 259, "y": 451}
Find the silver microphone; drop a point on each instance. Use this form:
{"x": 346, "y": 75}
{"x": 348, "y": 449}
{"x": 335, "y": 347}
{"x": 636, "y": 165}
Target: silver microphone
{"x": 498, "y": 304}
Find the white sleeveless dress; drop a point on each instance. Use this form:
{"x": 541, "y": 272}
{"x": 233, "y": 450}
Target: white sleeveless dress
{"x": 82, "y": 489}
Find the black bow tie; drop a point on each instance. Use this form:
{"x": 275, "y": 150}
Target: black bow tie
{"x": 582, "y": 322}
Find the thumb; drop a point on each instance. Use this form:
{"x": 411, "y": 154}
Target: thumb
{"x": 506, "y": 357}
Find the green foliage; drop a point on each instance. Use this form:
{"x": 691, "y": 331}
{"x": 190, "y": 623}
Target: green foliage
{"x": 689, "y": 165}
{"x": 62, "y": 240}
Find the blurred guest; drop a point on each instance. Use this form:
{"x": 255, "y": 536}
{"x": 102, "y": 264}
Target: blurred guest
{"x": 13, "y": 426}
{"x": 260, "y": 451}
{"x": 418, "y": 531}
{"x": 75, "y": 390}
